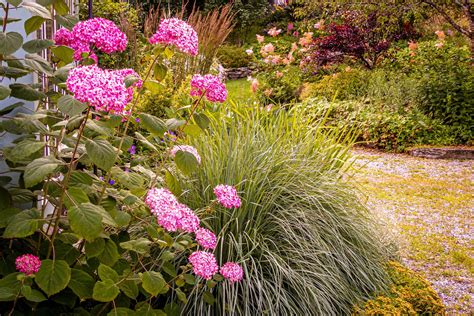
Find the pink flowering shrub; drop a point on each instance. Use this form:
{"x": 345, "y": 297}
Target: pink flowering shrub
{"x": 177, "y": 33}
{"x": 110, "y": 234}
{"x": 28, "y": 264}
{"x": 97, "y": 33}
{"x": 204, "y": 264}
{"x": 101, "y": 88}
{"x": 210, "y": 86}
{"x": 232, "y": 271}
{"x": 227, "y": 196}
{"x": 185, "y": 148}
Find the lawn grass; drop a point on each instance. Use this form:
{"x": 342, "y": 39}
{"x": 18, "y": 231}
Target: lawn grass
{"x": 240, "y": 92}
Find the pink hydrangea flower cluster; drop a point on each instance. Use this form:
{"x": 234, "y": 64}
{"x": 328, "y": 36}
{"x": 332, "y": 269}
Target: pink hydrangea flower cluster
{"x": 232, "y": 271}
{"x": 189, "y": 149}
{"x": 210, "y": 85}
{"x": 171, "y": 214}
{"x": 103, "y": 89}
{"x": 28, "y": 264}
{"x": 178, "y": 33}
{"x": 174, "y": 216}
{"x": 98, "y": 33}
{"x": 204, "y": 264}
{"x": 227, "y": 196}
{"x": 206, "y": 238}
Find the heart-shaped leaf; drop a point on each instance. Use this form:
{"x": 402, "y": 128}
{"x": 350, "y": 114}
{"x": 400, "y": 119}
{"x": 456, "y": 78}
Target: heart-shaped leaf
{"x": 33, "y": 23}
{"x": 10, "y": 42}
{"x": 105, "y": 291}
{"x": 23, "y": 224}
{"x": 86, "y": 220}
{"x": 81, "y": 284}
{"x": 37, "y": 45}
{"x": 153, "y": 282}
{"x": 70, "y": 106}
{"x": 37, "y": 170}
{"x": 101, "y": 152}
{"x": 53, "y": 276}
{"x": 186, "y": 162}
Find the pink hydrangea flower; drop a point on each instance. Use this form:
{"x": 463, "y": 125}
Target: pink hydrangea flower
{"x": 188, "y": 221}
{"x": 186, "y": 148}
{"x": 206, "y": 238}
{"x": 63, "y": 37}
{"x": 178, "y": 33}
{"x": 100, "y": 33}
{"x": 227, "y": 196}
{"x": 103, "y": 89}
{"x": 232, "y": 271}
{"x": 171, "y": 214}
{"x": 28, "y": 264}
{"x": 204, "y": 264}
{"x": 211, "y": 86}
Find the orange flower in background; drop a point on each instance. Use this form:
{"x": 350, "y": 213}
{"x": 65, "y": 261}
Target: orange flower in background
{"x": 260, "y": 38}
{"x": 306, "y": 39}
{"x": 348, "y": 69}
{"x": 441, "y": 35}
{"x": 279, "y": 74}
{"x": 267, "y": 49}
{"x": 412, "y": 46}
{"x": 439, "y": 44}
{"x": 274, "y": 32}
{"x": 268, "y": 92}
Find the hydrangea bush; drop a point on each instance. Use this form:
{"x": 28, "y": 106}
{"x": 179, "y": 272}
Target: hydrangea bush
{"x": 91, "y": 219}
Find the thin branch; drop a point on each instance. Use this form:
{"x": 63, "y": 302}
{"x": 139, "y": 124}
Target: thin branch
{"x": 446, "y": 16}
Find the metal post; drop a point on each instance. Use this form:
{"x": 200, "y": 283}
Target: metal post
{"x": 90, "y": 9}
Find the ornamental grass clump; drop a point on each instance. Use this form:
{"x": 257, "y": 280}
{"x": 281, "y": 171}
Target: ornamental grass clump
{"x": 308, "y": 247}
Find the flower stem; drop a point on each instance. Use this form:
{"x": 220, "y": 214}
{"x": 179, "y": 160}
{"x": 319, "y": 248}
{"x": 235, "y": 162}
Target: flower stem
{"x": 58, "y": 210}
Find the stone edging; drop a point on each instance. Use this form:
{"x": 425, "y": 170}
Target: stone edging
{"x": 442, "y": 153}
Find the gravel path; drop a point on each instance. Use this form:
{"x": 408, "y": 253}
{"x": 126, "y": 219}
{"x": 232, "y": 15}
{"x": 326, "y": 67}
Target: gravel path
{"x": 429, "y": 205}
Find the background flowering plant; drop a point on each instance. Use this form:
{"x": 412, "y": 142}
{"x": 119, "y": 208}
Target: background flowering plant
{"x": 87, "y": 224}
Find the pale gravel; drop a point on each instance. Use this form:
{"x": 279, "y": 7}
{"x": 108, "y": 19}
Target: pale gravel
{"x": 450, "y": 220}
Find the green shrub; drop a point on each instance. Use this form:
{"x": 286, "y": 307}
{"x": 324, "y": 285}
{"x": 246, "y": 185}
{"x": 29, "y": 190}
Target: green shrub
{"x": 382, "y": 126}
{"x": 393, "y": 89}
{"x": 110, "y": 10}
{"x": 410, "y": 294}
{"x": 233, "y": 56}
{"x": 344, "y": 85}
{"x": 446, "y": 83}
{"x": 281, "y": 85}
{"x": 309, "y": 247}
